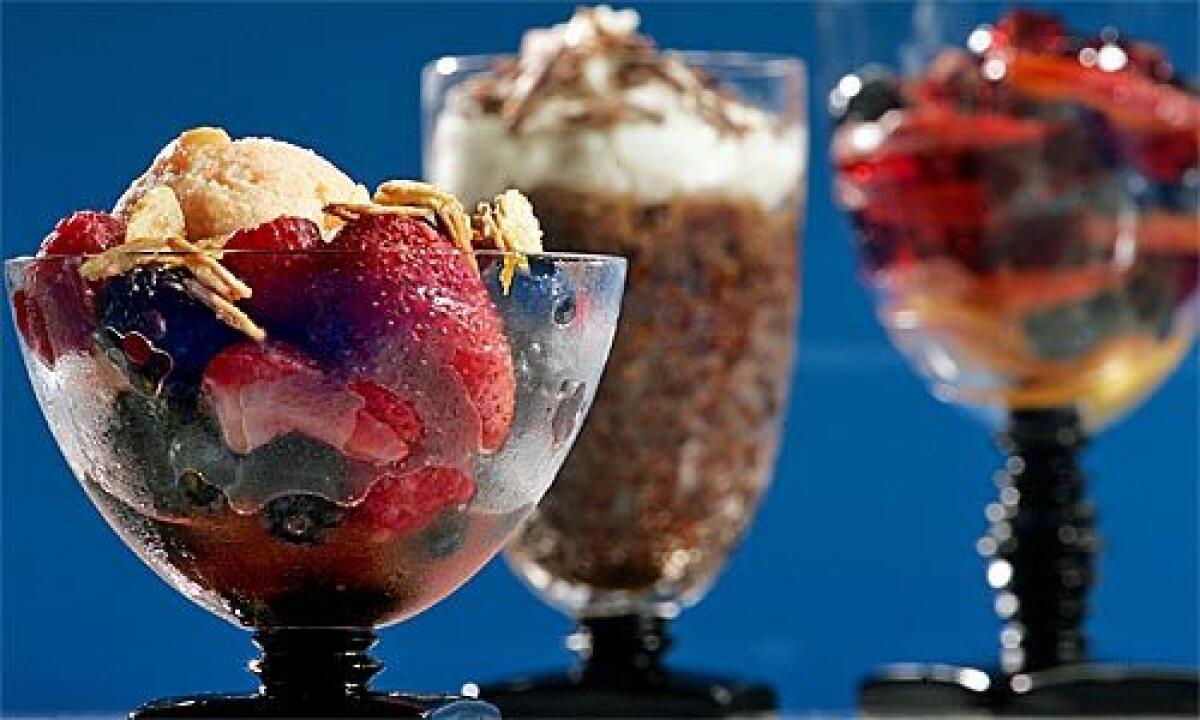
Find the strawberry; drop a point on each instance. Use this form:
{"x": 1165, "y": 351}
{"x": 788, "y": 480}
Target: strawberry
{"x": 383, "y": 413}
{"x": 280, "y": 281}
{"x": 55, "y": 308}
{"x": 260, "y": 392}
{"x": 396, "y": 281}
{"x": 400, "y": 503}
{"x": 1129, "y": 100}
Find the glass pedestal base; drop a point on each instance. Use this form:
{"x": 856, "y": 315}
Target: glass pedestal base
{"x": 683, "y": 695}
{"x": 1068, "y": 691}
{"x": 621, "y": 675}
{"x": 1040, "y": 552}
{"x": 316, "y": 673}
{"x": 366, "y": 705}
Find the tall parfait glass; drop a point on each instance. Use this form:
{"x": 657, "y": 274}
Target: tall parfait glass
{"x": 692, "y": 166}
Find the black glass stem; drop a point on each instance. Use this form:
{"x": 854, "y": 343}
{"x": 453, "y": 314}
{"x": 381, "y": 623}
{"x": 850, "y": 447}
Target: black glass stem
{"x": 1041, "y": 543}
{"x": 316, "y": 673}
{"x": 1040, "y": 550}
{"x": 621, "y": 673}
{"x": 621, "y": 651}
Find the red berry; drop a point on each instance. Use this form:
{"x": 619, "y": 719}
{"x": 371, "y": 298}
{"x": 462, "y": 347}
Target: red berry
{"x": 1033, "y": 31}
{"x": 1165, "y": 156}
{"x": 398, "y": 279}
{"x": 84, "y": 232}
{"x": 383, "y": 413}
{"x": 263, "y": 391}
{"x": 55, "y": 308}
{"x": 281, "y": 282}
{"x": 400, "y": 503}
{"x": 32, "y": 325}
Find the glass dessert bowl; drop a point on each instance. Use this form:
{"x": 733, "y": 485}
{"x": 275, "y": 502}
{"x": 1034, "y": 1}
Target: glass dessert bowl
{"x": 630, "y": 150}
{"x": 312, "y": 432}
{"x": 1026, "y": 213}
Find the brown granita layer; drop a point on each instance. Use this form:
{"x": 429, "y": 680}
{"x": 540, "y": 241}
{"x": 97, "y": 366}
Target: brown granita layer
{"x": 680, "y": 442}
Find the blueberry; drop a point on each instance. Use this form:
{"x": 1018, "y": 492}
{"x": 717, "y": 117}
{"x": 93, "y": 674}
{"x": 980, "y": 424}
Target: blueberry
{"x": 875, "y": 91}
{"x": 301, "y": 519}
{"x": 202, "y": 463}
{"x": 293, "y": 464}
{"x": 445, "y": 536}
{"x": 157, "y": 330}
{"x": 542, "y": 293}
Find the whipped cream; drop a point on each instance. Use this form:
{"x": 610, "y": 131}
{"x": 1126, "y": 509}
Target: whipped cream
{"x": 627, "y": 119}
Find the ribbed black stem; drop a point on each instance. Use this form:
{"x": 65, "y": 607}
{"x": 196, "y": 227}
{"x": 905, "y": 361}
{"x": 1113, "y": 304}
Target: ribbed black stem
{"x": 1041, "y": 543}
{"x": 624, "y": 651}
{"x": 314, "y": 665}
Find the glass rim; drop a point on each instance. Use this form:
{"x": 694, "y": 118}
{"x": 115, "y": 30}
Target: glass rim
{"x": 759, "y": 64}
{"x": 569, "y": 257}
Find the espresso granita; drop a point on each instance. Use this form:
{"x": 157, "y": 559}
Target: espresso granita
{"x": 691, "y": 167}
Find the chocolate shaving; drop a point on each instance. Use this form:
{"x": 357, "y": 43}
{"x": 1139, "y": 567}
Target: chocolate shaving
{"x": 555, "y": 63}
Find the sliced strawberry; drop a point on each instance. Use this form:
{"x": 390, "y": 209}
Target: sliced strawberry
{"x": 263, "y": 391}
{"x": 384, "y": 417}
{"x": 55, "y": 308}
{"x": 400, "y": 503}
{"x": 397, "y": 280}
{"x": 1131, "y": 101}
{"x": 273, "y": 261}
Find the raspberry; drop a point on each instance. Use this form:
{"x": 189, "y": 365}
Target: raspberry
{"x": 82, "y": 233}
{"x": 403, "y": 503}
{"x": 55, "y": 308}
{"x": 275, "y": 264}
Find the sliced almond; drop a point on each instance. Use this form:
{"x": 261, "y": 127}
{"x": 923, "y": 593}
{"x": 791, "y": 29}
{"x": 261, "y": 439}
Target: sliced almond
{"x": 158, "y": 215}
{"x": 447, "y": 208}
{"x": 226, "y": 311}
{"x": 509, "y": 225}
{"x": 123, "y": 258}
{"x": 210, "y": 272}
{"x": 352, "y": 211}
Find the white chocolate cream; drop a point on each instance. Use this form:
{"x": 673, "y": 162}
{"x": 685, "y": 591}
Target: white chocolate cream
{"x": 661, "y": 136}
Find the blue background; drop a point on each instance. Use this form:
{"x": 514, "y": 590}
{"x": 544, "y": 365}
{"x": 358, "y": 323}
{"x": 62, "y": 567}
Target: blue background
{"x": 863, "y": 552}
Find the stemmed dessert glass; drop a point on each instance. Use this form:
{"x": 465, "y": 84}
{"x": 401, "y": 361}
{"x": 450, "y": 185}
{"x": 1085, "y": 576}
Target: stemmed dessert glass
{"x": 1025, "y": 213}
{"x": 667, "y": 474}
{"x": 298, "y": 540}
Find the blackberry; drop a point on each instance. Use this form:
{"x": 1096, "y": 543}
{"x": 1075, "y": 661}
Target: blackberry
{"x": 157, "y": 331}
